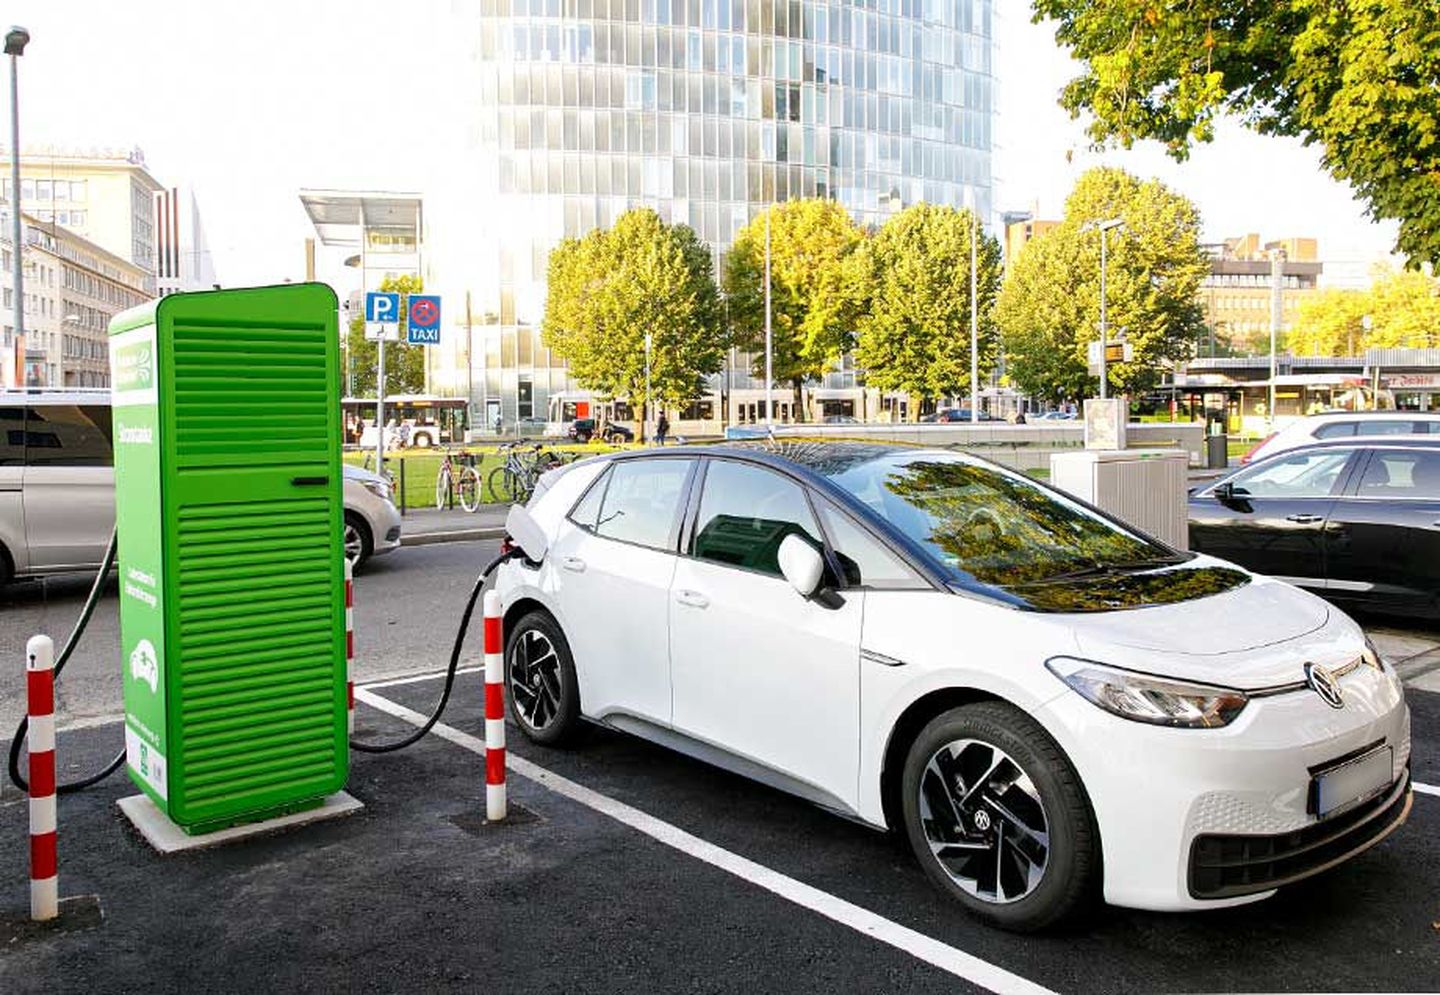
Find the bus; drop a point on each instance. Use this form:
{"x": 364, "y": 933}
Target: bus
{"x": 419, "y": 420}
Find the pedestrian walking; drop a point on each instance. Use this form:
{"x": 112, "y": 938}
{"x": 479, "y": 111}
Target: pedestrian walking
{"x": 662, "y": 429}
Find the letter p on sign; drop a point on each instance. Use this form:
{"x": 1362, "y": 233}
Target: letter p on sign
{"x": 382, "y": 308}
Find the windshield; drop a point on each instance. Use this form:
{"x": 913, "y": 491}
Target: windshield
{"x": 994, "y": 526}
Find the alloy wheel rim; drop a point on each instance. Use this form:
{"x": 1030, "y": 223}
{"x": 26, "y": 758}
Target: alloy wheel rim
{"x": 535, "y": 679}
{"x": 353, "y": 545}
{"x": 984, "y": 820}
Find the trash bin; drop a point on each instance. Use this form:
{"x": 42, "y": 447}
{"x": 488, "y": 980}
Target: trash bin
{"x": 1217, "y": 451}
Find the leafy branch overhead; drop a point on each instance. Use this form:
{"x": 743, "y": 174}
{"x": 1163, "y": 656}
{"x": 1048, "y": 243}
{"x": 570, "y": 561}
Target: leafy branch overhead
{"x": 1361, "y": 79}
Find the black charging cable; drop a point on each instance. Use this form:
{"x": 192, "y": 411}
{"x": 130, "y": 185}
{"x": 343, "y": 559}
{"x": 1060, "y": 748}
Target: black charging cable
{"x": 23, "y": 729}
{"x": 459, "y": 644}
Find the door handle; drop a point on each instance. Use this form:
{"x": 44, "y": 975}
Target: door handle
{"x": 692, "y": 598}
{"x": 1304, "y": 519}
{"x": 573, "y": 563}
{"x": 309, "y": 481}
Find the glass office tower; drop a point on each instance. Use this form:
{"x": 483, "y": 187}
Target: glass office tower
{"x": 568, "y": 112}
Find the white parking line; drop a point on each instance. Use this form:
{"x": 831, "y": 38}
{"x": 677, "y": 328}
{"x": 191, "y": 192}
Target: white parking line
{"x": 1426, "y": 789}
{"x": 433, "y": 675}
{"x": 947, "y": 958}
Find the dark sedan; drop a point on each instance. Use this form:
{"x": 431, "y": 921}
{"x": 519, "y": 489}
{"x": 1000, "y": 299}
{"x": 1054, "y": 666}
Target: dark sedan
{"x": 1356, "y": 522}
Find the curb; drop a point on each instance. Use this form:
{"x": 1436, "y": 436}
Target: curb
{"x": 456, "y": 535}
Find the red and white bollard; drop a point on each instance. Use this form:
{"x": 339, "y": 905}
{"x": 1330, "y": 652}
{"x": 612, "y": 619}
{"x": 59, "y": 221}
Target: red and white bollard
{"x": 349, "y": 647}
{"x": 494, "y": 710}
{"x": 40, "y": 695}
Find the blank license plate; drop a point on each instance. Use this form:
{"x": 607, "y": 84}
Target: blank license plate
{"x": 1353, "y": 782}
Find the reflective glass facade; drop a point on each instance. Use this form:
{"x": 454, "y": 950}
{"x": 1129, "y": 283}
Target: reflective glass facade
{"x": 706, "y": 111}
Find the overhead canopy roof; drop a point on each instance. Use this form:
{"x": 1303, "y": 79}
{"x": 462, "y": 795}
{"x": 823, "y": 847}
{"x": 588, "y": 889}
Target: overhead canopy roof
{"x": 339, "y": 216}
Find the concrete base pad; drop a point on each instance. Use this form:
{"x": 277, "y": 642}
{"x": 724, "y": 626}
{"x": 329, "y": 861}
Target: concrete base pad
{"x": 166, "y": 837}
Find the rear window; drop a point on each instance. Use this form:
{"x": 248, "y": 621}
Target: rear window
{"x": 12, "y": 435}
{"x": 1409, "y": 475}
{"x": 68, "y": 435}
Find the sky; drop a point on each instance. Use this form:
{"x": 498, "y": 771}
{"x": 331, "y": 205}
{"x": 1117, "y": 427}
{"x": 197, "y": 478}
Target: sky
{"x": 248, "y": 103}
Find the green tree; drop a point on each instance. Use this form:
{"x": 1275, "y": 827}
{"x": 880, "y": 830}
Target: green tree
{"x": 817, "y": 288}
{"x": 1329, "y": 323}
{"x": 607, "y": 289}
{"x": 1361, "y": 79}
{"x": 404, "y": 364}
{"x": 1049, "y": 308}
{"x": 1403, "y": 308}
{"x": 915, "y": 336}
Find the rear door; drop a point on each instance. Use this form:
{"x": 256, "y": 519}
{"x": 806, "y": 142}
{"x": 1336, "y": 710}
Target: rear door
{"x": 1275, "y": 522}
{"x": 12, "y": 475}
{"x": 69, "y": 484}
{"x": 1383, "y": 537}
{"x": 613, "y": 563}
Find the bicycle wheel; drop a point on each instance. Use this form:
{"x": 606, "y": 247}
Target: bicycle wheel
{"x": 442, "y": 487}
{"x": 468, "y": 488}
{"x": 501, "y": 482}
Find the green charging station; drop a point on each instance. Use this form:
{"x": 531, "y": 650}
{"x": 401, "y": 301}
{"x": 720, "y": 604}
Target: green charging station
{"x": 229, "y": 510}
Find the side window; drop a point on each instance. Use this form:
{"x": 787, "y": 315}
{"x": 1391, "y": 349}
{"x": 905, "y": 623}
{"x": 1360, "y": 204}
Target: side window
{"x": 1335, "y": 430}
{"x": 12, "y": 436}
{"x": 1388, "y": 426}
{"x": 1302, "y": 475}
{"x": 642, "y": 501}
{"x": 68, "y": 435}
{"x": 745, "y": 513}
{"x": 587, "y": 510}
{"x": 862, "y": 558}
{"x": 1405, "y": 475}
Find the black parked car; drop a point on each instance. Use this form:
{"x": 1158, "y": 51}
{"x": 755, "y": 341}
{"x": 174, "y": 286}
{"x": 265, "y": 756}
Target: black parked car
{"x": 585, "y": 429}
{"x": 1357, "y": 522}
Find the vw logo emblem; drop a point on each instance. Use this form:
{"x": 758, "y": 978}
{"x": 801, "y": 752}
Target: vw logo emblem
{"x": 1324, "y": 683}
{"x": 982, "y": 821}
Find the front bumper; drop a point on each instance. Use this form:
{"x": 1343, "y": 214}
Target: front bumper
{"x": 1202, "y": 818}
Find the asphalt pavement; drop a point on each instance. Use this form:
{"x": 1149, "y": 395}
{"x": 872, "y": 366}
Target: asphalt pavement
{"x": 626, "y": 867}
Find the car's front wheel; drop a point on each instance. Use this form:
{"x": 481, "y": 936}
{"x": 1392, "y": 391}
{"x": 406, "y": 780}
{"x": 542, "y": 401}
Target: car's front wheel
{"x": 358, "y": 542}
{"x": 998, "y": 818}
{"x": 540, "y": 679}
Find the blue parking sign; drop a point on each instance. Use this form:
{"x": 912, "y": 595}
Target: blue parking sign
{"x": 382, "y": 308}
{"x": 424, "y": 320}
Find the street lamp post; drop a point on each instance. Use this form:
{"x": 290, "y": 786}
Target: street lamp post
{"x": 15, "y": 41}
{"x": 974, "y": 323}
{"x": 769, "y": 373}
{"x": 1277, "y": 314}
{"x": 649, "y": 405}
{"x": 1103, "y": 227}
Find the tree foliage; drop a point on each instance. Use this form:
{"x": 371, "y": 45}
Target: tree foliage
{"x": 1049, "y": 308}
{"x": 1403, "y": 308}
{"x": 817, "y": 290}
{"x": 915, "y": 335}
{"x": 404, "y": 364}
{"x": 607, "y": 289}
{"x": 1361, "y": 79}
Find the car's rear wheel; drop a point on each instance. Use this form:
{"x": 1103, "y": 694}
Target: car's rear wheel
{"x": 540, "y": 679}
{"x": 359, "y": 544}
{"x": 998, "y": 818}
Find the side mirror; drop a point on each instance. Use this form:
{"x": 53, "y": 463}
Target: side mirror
{"x": 526, "y": 533}
{"x": 801, "y": 564}
{"x": 1224, "y": 492}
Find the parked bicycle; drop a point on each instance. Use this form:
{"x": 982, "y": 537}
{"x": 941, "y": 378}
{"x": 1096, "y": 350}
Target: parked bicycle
{"x": 457, "y": 480}
{"x": 513, "y": 481}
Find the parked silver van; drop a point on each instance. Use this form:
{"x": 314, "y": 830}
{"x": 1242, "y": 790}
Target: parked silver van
{"x": 57, "y": 486}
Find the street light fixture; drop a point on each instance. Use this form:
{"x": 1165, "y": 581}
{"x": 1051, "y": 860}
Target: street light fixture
{"x": 1103, "y": 227}
{"x": 15, "y": 41}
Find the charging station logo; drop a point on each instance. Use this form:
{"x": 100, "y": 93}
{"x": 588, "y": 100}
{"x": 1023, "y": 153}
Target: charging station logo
{"x": 133, "y": 367}
{"x": 144, "y": 666}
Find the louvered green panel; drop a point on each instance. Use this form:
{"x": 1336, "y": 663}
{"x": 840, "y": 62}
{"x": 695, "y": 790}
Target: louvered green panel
{"x": 250, "y": 493}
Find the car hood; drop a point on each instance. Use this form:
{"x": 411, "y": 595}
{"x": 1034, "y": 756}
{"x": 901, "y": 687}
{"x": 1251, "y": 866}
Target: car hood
{"x": 359, "y": 474}
{"x": 1257, "y": 635}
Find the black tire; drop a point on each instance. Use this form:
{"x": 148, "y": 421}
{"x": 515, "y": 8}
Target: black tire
{"x": 1069, "y": 875}
{"x": 501, "y": 482}
{"x": 535, "y": 689}
{"x": 358, "y": 543}
{"x": 7, "y": 566}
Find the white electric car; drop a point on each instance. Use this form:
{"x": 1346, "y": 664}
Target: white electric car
{"x": 1049, "y": 704}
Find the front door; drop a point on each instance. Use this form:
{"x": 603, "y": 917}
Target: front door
{"x": 1274, "y": 522}
{"x": 757, "y": 670}
{"x": 69, "y": 484}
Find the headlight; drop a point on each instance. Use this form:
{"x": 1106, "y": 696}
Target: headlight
{"x": 1157, "y": 700}
{"x": 1371, "y": 657}
{"x": 377, "y": 487}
